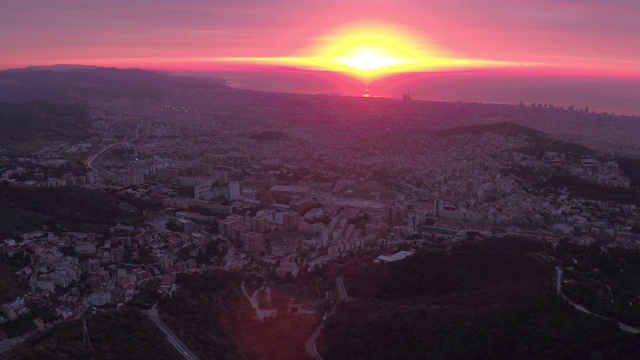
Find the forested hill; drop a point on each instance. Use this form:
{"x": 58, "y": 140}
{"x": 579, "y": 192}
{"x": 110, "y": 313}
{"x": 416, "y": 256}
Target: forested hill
{"x": 41, "y": 121}
{"x": 124, "y": 335}
{"x": 27, "y": 209}
{"x": 472, "y": 303}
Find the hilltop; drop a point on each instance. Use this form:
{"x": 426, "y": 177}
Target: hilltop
{"x": 473, "y": 302}
{"x": 78, "y": 84}
{"x": 539, "y": 142}
{"x": 502, "y": 128}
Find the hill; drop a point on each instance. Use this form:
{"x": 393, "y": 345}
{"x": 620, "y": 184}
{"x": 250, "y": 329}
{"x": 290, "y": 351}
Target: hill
{"x": 631, "y": 168}
{"x": 212, "y": 316}
{"x": 539, "y": 142}
{"x": 37, "y": 121}
{"x": 77, "y": 84}
{"x": 502, "y": 128}
{"x": 124, "y": 334}
{"x": 26, "y": 209}
{"x": 471, "y": 304}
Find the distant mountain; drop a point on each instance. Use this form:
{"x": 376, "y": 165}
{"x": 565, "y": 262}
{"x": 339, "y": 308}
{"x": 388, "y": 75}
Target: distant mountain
{"x": 58, "y": 67}
{"x": 77, "y": 84}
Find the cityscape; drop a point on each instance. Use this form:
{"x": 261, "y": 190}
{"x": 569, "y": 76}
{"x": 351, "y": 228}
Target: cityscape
{"x": 147, "y": 212}
{"x": 282, "y": 192}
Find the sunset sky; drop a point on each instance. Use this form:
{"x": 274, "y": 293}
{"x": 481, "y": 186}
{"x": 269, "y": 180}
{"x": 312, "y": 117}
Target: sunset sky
{"x": 576, "y": 37}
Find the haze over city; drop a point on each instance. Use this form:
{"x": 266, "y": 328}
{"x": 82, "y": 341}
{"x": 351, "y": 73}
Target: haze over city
{"x": 295, "y": 180}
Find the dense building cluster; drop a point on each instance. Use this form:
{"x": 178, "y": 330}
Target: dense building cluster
{"x": 276, "y": 196}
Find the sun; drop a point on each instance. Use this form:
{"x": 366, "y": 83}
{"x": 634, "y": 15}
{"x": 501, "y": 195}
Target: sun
{"x": 370, "y": 60}
{"x": 369, "y": 51}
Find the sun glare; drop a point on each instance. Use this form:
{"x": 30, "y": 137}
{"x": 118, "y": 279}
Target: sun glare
{"x": 369, "y": 51}
{"x": 371, "y": 60}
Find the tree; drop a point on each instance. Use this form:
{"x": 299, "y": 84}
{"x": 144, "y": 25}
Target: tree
{"x": 173, "y": 226}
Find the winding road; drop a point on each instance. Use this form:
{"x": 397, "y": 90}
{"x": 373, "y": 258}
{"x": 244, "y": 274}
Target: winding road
{"x": 90, "y": 162}
{"x": 310, "y": 345}
{"x": 342, "y": 292}
{"x": 581, "y": 308}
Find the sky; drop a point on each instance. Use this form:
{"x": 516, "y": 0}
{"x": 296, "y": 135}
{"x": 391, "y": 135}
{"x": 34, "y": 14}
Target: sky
{"x": 576, "y": 35}
{"x": 584, "y": 38}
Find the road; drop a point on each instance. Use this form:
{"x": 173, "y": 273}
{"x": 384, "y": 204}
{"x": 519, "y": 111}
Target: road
{"x": 92, "y": 159}
{"x": 173, "y": 339}
{"x": 558, "y": 280}
{"x": 90, "y": 162}
{"x": 310, "y": 345}
{"x": 623, "y": 327}
{"x": 253, "y": 300}
{"x": 342, "y": 292}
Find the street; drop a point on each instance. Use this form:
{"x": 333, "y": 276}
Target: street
{"x": 310, "y": 345}
{"x": 173, "y": 339}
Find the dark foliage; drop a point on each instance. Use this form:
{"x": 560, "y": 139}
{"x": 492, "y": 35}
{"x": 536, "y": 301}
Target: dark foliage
{"x": 41, "y": 121}
{"x": 607, "y": 283}
{"x": 631, "y": 168}
{"x": 538, "y": 149}
{"x": 577, "y": 187}
{"x": 584, "y": 189}
{"x": 70, "y": 204}
{"x": 213, "y": 317}
{"x": 202, "y": 311}
{"x": 124, "y": 334}
{"x": 11, "y": 284}
{"x": 505, "y": 128}
{"x": 435, "y": 273}
{"x": 481, "y": 304}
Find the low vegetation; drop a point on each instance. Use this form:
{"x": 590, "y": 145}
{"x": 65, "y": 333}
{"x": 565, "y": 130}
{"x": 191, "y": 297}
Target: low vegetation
{"x": 474, "y": 302}
{"x": 30, "y": 208}
{"x": 123, "y": 334}
{"x": 212, "y": 316}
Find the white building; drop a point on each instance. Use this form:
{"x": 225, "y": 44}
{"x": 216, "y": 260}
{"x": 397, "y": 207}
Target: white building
{"x": 201, "y": 186}
{"x": 61, "y": 278}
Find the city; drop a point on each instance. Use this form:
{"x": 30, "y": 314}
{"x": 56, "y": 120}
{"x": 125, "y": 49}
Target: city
{"x": 287, "y": 196}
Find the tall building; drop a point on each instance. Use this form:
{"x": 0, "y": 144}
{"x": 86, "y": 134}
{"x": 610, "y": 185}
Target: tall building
{"x": 226, "y": 226}
{"x": 234, "y": 190}
{"x": 253, "y": 242}
{"x": 291, "y": 220}
{"x": 394, "y": 215}
{"x": 259, "y": 224}
{"x": 438, "y": 207}
{"x": 202, "y": 190}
